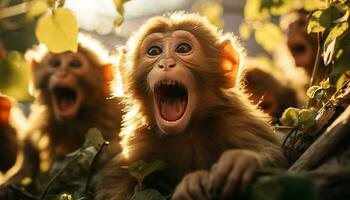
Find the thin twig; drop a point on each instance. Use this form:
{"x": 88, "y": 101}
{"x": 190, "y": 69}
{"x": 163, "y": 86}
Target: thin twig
{"x": 317, "y": 61}
{"x": 316, "y": 65}
{"x": 91, "y": 171}
{"x": 288, "y": 136}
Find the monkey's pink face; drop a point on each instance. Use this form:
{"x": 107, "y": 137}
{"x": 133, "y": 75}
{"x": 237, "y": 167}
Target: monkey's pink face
{"x": 171, "y": 55}
{"x": 65, "y": 93}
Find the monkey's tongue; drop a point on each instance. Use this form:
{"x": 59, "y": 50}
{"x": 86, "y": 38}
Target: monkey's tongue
{"x": 172, "y": 110}
{"x": 65, "y": 103}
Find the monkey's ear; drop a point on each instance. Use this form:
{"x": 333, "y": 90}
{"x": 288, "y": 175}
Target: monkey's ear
{"x": 108, "y": 75}
{"x": 122, "y": 60}
{"x": 229, "y": 62}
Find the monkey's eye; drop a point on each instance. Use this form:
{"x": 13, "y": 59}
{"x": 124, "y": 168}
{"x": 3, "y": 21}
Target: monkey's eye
{"x": 75, "y": 64}
{"x": 55, "y": 62}
{"x": 154, "y": 50}
{"x": 183, "y": 48}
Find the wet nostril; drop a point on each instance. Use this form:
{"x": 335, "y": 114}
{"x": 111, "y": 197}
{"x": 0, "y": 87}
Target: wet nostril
{"x": 173, "y": 65}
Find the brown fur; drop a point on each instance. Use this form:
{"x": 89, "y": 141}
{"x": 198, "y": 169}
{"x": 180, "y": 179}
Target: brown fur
{"x": 267, "y": 89}
{"x": 48, "y": 137}
{"x": 223, "y": 118}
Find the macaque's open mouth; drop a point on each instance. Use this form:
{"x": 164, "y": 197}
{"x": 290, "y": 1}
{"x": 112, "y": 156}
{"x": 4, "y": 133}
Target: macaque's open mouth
{"x": 171, "y": 98}
{"x": 298, "y": 49}
{"x": 66, "y": 101}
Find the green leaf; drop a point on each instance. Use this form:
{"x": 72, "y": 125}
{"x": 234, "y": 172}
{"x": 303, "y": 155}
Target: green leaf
{"x": 290, "y": 117}
{"x": 14, "y": 76}
{"x": 119, "y": 6}
{"x": 307, "y": 117}
{"x": 140, "y": 169}
{"x": 310, "y": 5}
{"x": 269, "y": 30}
{"x": 245, "y": 31}
{"x": 330, "y": 42}
{"x": 93, "y": 138}
{"x": 148, "y": 194}
{"x": 118, "y": 21}
{"x": 312, "y": 90}
{"x": 341, "y": 80}
{"x": 322, "y": 19}
{"x": 59, "y": 31}
{"x": 66, "y": 197}
{"x": 344, "y": 18}
{"x": 252, "y": 11}
{"x": 277, "y": 7}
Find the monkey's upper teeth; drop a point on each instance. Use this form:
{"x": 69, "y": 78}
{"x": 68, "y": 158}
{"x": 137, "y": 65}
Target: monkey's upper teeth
{"x": 168, "y": 82}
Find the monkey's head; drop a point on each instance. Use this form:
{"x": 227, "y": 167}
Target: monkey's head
{"x": 175, "y": 65}
{"x": 69, "y": 82}
{"x": 268, "y": 90}
{"x": 303, "y": 46}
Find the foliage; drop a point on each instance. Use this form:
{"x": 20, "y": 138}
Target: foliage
{"x": 274, "y": 185}
{"x": 57, "y": 27}
{"x": 212, "y": 9}
{"x": 300, "y": 118}
{"x": 69, "y": 178}
{"x": 53, "y": 25}
{"x": 328, "y": 18}
{"x": 14, "y": 74}
{"x": 140, "y": 170}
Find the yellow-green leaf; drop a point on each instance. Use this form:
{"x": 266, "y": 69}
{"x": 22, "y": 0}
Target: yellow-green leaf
{"x": 310, "y": 5}
{"x": 252, "y": 11}
{"x": 269, "y": 36}
{"x": 290, "y": 117}
{"x": 312, "y": 90}
{"x": 119, "y": 6}
{"x": 58, "y": 31}
{"x": 307, "y": 117}
{"x": 342, "y": 79}
{"x": 244, "y": 31}
{"x": 330, "y": 43}
{"x": 118, "y": 21}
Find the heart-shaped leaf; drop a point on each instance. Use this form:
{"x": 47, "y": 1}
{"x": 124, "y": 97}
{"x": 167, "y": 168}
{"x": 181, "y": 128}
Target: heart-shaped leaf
{"x": 58, "y": 31}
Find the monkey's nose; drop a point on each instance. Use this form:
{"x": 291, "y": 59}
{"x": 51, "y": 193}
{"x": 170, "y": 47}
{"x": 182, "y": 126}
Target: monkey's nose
{"x": 166, "y": 64}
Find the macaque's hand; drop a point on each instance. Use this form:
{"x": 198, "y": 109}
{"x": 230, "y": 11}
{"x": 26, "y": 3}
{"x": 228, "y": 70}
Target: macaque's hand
{"x": 232, "y": 174}
{"x": 192, "y": 186}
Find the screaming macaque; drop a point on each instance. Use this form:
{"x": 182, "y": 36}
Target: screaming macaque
{"x": 267, "y": 89}
{"x": 302, "y": 46}
{"x": 73, "y": 94}
{"x": 184, "y": 109}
